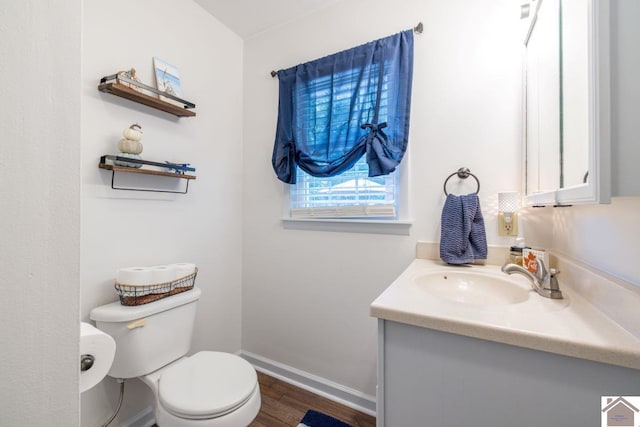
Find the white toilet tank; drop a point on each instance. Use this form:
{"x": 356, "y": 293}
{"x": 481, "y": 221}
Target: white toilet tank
{"x": 148, "y": 336}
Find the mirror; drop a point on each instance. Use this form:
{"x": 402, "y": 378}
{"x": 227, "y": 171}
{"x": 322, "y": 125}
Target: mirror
{"x": 566, "y": 102}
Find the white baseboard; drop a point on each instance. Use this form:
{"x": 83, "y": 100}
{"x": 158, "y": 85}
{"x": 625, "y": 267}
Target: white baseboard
{"x": 313, "y": 383}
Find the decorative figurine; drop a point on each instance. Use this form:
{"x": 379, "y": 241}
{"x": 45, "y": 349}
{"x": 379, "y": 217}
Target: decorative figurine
{"x": 131, "y": 74}
{"x": 130, "y": 146}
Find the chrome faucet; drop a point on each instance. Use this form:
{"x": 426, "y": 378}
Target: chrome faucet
{"x": 544, "y": 281}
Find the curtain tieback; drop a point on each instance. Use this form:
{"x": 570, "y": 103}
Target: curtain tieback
{"x": 374, "y": 127}
{"x": 380, "y": 158}
{"x": 375, "y": 133}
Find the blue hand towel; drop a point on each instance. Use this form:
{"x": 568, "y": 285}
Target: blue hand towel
{"x": 463, "y": 238}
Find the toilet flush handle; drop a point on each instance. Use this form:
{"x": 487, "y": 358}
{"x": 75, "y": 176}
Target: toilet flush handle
{"x": 137, "y": 324}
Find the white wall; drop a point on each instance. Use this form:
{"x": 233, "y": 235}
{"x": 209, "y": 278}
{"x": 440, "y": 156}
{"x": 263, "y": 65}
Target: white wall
{"x": 122, "y": 228}
{"x": 603, "y": 236}
{"x": 39, "y": 212}
{"x": 625, "y": 92}
{"x": 306, "y": 293}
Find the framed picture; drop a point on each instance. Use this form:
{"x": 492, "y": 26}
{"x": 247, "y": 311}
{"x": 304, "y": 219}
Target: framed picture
{"x": 167, "y": 80}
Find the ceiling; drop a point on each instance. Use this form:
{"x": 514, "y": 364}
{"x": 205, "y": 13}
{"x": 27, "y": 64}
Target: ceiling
{"x": 250, "y": 17}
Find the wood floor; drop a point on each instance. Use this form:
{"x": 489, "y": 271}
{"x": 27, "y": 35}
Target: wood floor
{"x": 284, "y": 405}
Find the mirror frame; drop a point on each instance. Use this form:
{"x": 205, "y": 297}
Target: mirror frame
{"x": 598, "y": 187}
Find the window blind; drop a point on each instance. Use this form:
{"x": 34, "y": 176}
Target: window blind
{"x": 350, "y": 195}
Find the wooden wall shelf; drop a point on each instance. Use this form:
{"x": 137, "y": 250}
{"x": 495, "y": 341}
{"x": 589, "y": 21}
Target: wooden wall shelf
{"x": 144, "y": 171}
{"x": 115, "y": 168}
{"x": 126, "y": 92}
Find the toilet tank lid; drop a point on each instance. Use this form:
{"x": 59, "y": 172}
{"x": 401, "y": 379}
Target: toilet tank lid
{"x": 116, "y": 312}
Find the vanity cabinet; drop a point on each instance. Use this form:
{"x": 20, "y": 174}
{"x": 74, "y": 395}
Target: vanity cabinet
{"x": 432, "y": 378}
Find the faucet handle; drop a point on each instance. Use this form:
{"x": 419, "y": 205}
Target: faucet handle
{"x": 542, "y": 272}
{"x": 554, "y": 286}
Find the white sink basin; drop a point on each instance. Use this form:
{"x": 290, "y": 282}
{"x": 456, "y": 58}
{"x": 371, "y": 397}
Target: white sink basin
{"x": 472, "y": 288}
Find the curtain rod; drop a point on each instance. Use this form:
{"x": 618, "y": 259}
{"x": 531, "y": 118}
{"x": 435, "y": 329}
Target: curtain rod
{"x": 418, "y": 29}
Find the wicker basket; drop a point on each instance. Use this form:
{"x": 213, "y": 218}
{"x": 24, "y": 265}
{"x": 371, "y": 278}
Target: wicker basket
{"x": 131, "y": 295}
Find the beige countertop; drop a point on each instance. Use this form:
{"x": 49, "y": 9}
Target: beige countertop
{"x": 571, "y": 327}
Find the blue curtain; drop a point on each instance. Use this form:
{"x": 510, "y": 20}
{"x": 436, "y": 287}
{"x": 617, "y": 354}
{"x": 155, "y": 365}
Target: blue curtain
{"x": 336, "y": 109}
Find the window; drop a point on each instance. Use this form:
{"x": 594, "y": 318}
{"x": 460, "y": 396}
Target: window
{"x": 352, "y": 194}
{"x": 342, "y": 131}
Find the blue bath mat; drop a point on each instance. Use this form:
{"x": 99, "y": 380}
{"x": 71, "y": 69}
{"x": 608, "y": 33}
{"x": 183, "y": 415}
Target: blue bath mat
{"x": 318, "y": 419}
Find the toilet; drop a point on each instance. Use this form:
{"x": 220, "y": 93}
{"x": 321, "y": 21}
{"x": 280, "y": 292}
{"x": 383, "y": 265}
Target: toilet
{"x": 207, "y": 389}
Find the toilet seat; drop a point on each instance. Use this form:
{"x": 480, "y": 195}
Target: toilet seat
{"x": 206, "y": 385}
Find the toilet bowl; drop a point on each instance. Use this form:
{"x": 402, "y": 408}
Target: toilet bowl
{"x": 206, "y": 389}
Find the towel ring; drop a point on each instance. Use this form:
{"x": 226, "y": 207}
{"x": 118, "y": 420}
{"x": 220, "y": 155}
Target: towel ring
{"x": 463, "y": 173}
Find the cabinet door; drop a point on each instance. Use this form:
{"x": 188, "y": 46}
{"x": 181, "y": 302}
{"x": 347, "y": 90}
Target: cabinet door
{"x": 432, "y": 378}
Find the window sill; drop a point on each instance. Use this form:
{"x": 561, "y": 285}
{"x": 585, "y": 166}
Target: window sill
{"x": 398, "y": 227}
